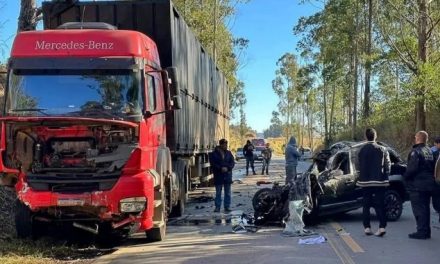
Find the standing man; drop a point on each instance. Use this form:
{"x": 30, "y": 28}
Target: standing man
{"x": 248, "y": 152}
{"x": 292, "y": 155}
{"x": 222, "y": 163}
{"x": 374, "y": 167}
{"x": 420, "y": 183}
{"x": 267, "y": 156}
{"x": 436, "y": 147}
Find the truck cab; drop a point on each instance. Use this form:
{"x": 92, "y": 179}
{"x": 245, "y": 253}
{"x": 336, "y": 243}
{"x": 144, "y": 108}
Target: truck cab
{"x": 83, "y": 132}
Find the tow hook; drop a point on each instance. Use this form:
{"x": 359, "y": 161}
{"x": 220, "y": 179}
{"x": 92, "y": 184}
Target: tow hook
{"x": 93, "y": 230}
{"x": 129, "y": 219}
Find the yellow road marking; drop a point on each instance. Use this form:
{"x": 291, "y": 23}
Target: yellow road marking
{"x": 347, "y": 238}
{"x": 335, "y": 248}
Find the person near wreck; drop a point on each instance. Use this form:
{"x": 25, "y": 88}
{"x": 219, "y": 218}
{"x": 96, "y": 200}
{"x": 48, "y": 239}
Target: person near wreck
{"x": 436, "y": 193}
{"x": 420, "y": 184}
{"x": 291, "y": 155}
{"x": 267, "y": 156}
{"x": 374, "y": 170}
{"x": 222, "y": 163}
{"x": 248, "y": 152}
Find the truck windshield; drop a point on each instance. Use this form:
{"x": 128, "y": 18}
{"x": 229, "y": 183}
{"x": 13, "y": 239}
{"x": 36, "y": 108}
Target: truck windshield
{"x": 85, "y": 93}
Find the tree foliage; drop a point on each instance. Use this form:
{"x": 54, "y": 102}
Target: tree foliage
{"x": 376, "y": 64}
{"x": 209, "y": 20}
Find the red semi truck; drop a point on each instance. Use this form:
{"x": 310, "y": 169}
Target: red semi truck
{"x": 109, "y": 119}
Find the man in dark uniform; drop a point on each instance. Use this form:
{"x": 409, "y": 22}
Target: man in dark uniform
{"x": 420, "y": 182}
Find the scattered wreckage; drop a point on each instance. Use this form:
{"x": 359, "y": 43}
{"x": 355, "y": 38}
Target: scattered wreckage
{"x": 328, "y": 187}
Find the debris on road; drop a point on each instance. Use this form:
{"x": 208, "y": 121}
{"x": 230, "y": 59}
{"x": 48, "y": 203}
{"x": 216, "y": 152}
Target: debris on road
{"x": 312, "y": 240}
{"x": 263, "y": 182}
{"x": 202, "y": 199}
{"x": 243, "y": 224}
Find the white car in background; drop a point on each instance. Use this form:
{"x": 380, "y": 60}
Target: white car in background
{"x": 239, "y": 154}
{"x": 306, "y": 154}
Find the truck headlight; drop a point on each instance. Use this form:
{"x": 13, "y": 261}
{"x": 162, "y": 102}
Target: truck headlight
{"x": 132, "y": 205}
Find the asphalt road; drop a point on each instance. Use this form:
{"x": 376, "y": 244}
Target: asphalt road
{"x": 201, "y": 236}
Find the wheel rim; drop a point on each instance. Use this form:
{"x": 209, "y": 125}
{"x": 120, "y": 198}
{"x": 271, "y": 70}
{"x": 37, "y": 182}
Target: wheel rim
{"x": 393, "y": 207}
{"x": 261, "y": 202}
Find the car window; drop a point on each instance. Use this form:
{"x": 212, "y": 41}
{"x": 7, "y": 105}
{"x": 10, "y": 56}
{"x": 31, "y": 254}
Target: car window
{"x": 341, "y": 161}
{"x": 355, "y": 158}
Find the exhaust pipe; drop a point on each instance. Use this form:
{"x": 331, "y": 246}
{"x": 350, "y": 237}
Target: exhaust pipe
{"x": 86, "y": 228}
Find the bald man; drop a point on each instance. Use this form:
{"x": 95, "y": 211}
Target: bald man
{"x": 420, "y": 183}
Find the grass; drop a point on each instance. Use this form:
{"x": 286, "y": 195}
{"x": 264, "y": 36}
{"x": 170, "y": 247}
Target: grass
{"x": 44, "y": 251}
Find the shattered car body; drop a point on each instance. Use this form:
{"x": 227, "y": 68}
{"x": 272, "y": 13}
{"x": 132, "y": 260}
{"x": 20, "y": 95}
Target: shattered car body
{"x": 330, "y": 184}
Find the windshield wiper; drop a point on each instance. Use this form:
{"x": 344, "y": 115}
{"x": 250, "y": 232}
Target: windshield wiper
{"x": 39, "y": 110}
{"x": 96, "y": 112}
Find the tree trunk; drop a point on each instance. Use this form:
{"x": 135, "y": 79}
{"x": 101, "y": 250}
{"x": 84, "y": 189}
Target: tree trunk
{"x": 368, "y": 61}
{"x": 326, "y": 134}
{"x": 422, "y": 54}
{"x": 332, "y": 111}
{"x": 27, "y": 20}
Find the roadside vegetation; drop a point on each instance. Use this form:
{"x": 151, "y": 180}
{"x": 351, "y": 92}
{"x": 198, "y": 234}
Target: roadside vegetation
{"x": 359, "y": 64}
{"x": 44, "y": 251}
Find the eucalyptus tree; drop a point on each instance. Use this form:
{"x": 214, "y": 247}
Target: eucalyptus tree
{"x": 29, "y": 15}
{"x": 284, "y": 86}
{"x": 276, "y": 126}
{"x": 410, "y": 30}
{"x": 209, "y": 19}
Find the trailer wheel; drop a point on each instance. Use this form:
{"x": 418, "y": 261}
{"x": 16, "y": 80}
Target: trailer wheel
{"x": 178, "y": 209}
{"x": 23, "y": 220}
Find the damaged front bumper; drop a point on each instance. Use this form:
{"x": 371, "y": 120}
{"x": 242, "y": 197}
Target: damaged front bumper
{"x": 129, "y": 202}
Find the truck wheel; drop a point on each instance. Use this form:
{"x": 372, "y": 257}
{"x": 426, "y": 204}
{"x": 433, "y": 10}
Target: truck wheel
{"x": 156, "y": 234}
{"x": 23, "y": 220}
{"x": 393, "y": 205}
{"x": 178, "y": 209}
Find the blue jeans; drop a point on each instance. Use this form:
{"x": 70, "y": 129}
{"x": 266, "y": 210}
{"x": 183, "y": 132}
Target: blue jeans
{"x": 266, "y": 163}
{"x": 290, "y": 173}
{"x": 218, "y": 196}
{"x": 250, "y": 161}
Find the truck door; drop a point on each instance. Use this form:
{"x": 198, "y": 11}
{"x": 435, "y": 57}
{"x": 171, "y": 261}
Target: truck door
{"x": 154, "y": 104}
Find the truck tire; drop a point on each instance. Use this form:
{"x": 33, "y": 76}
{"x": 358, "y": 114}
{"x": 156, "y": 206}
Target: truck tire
{"x": 156, "y": 234}
{"x": 393, "y": 205}
{"x": 178, "y": 209}
{"x": 23, "y": 220}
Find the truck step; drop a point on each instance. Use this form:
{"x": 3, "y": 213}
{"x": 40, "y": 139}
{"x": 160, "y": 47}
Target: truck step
{"x": 158, "y": 223}
{"x": 157, "y": 203}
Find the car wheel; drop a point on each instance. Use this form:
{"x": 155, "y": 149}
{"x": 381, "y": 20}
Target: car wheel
{"x": 393, "y": 205}
{"x": 258, "y": 201}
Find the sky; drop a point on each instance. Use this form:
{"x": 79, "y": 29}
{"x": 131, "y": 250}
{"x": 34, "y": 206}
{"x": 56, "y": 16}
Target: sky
{"x": 268, "y": 25}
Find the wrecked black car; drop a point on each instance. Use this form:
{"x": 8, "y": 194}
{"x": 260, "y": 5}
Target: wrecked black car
{"x": 330, "y": 187}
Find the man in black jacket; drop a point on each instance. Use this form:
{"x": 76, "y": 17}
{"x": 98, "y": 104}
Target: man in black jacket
{"x": 419, "y": 178}
{"x": 222, "y": 163}
{"x": 374, "y": 167}
{"x": 248, "y": 152}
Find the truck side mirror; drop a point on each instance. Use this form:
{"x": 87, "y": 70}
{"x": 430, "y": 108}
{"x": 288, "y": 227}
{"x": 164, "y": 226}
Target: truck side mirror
{"x": 175, "y": 89}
